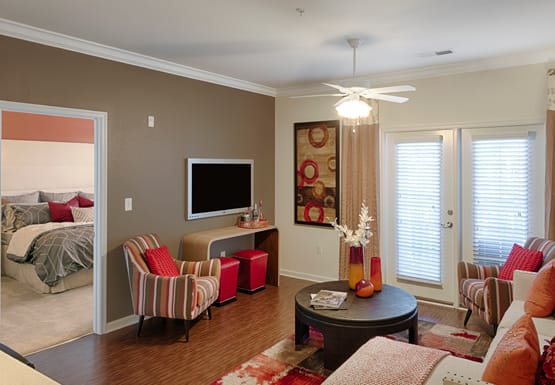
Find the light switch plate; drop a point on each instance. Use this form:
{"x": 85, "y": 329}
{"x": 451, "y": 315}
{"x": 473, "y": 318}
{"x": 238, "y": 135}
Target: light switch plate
{"x": 150, "y": 121}
{"x": 128, "y": 204}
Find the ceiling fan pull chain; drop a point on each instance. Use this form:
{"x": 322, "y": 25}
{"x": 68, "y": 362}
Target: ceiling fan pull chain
{"x": 354, "y": 61}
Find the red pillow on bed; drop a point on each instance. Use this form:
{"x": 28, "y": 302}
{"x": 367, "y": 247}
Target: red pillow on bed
{"x": 160, "y": 262}
{"x": 84, "y": 202}
{"x": 61, "y": 212}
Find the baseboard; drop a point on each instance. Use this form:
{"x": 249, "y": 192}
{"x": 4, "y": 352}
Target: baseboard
{"x": 307, "y": 277}
{"x": 122, "y": 322}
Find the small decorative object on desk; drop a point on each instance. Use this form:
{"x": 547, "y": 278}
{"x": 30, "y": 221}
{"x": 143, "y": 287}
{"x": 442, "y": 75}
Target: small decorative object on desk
{"x": 357, "y": 241}
{"x": 328, "y": 299}
{"x": 253, "y": 218}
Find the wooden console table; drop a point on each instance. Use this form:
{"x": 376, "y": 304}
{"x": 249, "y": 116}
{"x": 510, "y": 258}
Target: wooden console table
{"x": 198, "y": 245}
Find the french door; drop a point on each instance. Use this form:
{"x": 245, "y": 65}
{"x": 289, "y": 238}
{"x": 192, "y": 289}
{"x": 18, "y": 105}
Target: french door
{"x": 419, "y": 213}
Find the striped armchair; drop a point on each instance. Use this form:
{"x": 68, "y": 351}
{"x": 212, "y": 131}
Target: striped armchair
{"x": 487, "y": 296}
{"x": 182, "y": 297}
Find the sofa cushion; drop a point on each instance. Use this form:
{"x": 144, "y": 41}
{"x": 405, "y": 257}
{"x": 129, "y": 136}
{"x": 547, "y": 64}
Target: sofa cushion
{"x": 515, "y": 358}
{"x": 160, "y": 262}
{"x": 454, "y": 365}
{"x": 544, "y": 325}
{"x": 541, "y": 299}
{"x": 520, "y": 259}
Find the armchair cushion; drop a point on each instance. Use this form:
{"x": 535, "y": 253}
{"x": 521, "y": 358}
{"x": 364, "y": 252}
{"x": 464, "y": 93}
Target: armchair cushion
{"x": 160, "y": 262}
{"x": 521, "y": 259}
{"x": 472, "y": 291}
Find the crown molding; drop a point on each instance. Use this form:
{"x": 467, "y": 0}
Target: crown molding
{"x": 513, "y": 60}
{"x": 54, "y": 39}
{"x": 58, "y": 40}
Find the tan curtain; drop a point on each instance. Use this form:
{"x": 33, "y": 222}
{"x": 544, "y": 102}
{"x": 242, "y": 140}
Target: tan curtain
{"x": 549, "y": 157}
{"x": 359, "y": 164}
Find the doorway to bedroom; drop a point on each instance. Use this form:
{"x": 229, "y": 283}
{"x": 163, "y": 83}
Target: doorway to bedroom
{"x": 53, "y": 186}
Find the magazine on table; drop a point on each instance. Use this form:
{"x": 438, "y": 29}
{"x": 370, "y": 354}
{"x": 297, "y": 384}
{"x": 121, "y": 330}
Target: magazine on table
{"x": 328, "y": 299}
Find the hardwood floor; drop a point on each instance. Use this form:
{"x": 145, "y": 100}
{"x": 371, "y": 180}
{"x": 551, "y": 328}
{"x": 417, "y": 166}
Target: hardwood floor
{"x": 237, "y": 332}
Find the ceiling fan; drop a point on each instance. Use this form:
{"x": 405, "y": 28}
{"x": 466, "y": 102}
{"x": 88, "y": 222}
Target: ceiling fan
{"x": 352, "y": 104}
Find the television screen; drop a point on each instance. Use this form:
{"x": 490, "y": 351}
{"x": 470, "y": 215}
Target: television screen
{"x": 219, "y": 186}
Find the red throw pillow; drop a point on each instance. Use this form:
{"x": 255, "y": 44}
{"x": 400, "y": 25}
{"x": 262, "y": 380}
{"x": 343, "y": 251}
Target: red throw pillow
{"x": 160, "y": 262}
{"x": 84, "y": 202}
{"x": 520, "y": 259}
{"x": 61, "y": 212}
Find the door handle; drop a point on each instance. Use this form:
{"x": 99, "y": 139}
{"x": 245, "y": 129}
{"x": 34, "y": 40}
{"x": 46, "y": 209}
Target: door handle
{"x": 447, "y": 225}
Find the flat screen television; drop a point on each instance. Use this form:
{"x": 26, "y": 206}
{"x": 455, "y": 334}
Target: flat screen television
{"x": 219, "y": 186}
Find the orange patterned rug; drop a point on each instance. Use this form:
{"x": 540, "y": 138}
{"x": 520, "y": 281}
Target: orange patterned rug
{"x": 283, "y": 365}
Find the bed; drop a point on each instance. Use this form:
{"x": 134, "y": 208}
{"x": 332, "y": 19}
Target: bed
{"x": 47, "y": 240}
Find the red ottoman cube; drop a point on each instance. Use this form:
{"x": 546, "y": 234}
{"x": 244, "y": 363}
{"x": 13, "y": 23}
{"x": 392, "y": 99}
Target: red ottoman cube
{"x": 228, "y": 280}
{"x": 252, "y": 270}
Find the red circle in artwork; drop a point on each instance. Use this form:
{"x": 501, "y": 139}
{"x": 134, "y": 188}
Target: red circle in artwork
{"x": 302, "y": 170}
{"x": 313, "y": 205}
{"x": 312, "y": 139}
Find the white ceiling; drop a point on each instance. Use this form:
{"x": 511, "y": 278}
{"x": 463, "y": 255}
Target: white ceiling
{"x": 271, "y": 44}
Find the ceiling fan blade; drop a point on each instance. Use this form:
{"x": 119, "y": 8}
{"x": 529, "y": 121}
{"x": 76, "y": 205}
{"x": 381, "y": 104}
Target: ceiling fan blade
{"x": 387, "y": 98}
{"x": 385, "y": 90}
{"x": 313, "y": 96}
{"x": 345, "y": 90}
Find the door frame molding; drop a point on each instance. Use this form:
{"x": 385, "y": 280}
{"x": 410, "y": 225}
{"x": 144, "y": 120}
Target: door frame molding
{"x": 100, "y": 191}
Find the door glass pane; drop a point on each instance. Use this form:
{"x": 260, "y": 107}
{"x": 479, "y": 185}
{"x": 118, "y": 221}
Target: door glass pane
{"x": 418, "y": 230}
{"x": 500, "y": 197}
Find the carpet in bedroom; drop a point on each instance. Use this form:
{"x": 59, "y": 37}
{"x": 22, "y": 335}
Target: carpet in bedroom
{"x": 30, "y": 321}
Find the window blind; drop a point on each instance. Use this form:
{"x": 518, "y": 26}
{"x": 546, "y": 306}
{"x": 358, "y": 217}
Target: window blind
{"x": 418, "y": 184}
{"x": 501, "y": 189}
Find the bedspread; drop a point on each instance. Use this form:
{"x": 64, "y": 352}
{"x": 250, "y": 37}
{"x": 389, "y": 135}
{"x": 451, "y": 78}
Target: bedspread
{"x": 55, "y": 249}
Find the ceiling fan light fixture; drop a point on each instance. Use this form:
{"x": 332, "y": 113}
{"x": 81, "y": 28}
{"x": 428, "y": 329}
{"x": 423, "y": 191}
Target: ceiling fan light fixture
{"x": 353, "y": 108}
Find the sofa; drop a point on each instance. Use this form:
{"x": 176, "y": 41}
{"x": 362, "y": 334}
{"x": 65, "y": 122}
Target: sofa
{"x": 451, "y": 370}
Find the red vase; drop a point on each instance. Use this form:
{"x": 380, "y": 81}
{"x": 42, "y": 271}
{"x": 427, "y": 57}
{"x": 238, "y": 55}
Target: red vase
{"x": 376, "y": 273}
{"x": 356, "y": 265}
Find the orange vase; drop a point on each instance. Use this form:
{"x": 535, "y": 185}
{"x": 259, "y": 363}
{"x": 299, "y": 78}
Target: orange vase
{"x": 356, "y": 265}
{"x": 376, "y": 273}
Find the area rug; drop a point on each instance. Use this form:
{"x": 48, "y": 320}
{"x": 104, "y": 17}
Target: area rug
{"x": 463, "y": 343}
{"x": 283, "y": 365}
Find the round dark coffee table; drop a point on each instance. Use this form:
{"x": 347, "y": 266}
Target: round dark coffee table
{"x": 388, "y": 311}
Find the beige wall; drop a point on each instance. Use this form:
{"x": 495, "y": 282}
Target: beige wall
{"x": 147, "y": 164}
{"x": 498, "y": 96}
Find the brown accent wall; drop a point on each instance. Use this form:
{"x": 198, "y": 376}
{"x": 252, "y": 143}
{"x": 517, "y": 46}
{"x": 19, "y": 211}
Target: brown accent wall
{"x": 193, "y": 119}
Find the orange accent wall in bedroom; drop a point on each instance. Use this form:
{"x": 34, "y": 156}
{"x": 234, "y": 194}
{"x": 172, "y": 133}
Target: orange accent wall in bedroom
{"x": 46, "y": 128}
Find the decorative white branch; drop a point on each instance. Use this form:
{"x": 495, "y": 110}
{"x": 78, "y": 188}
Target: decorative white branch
{"x": 361, "y": 236}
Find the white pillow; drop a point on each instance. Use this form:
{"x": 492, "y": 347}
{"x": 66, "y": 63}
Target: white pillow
{"x": 82, "y": 214}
